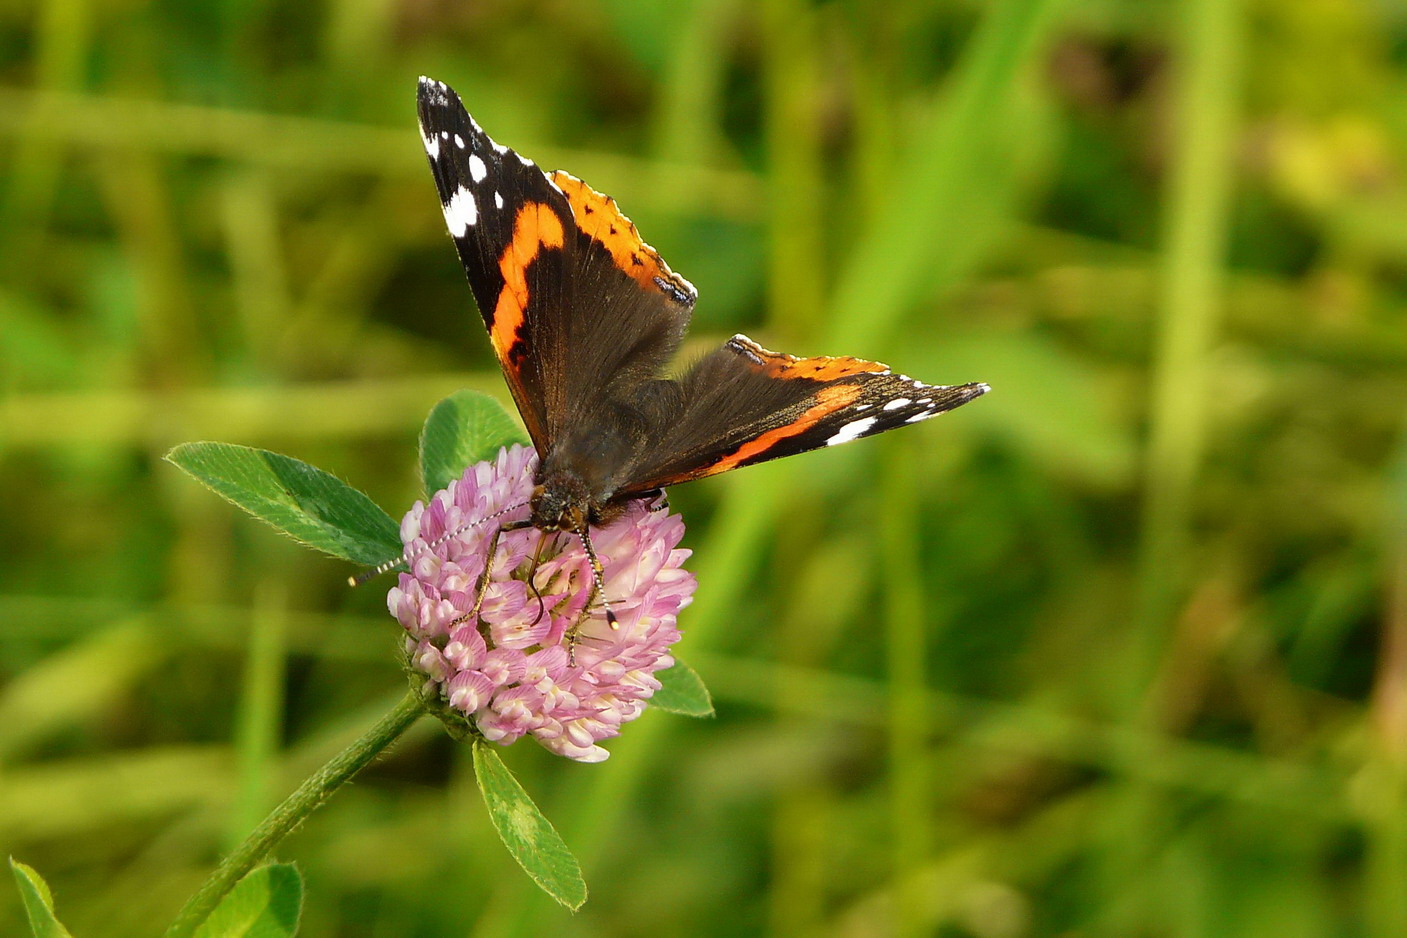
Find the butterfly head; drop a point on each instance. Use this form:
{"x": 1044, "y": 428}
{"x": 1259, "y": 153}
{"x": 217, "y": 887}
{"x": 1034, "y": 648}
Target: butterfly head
{"x": 560, "y": 503}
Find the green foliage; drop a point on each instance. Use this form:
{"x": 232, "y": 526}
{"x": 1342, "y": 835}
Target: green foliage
{"x": 529, "y": 837}
{"x": 265, "y": 904}
{"x": 1115, "y": 650}
{"x": 464, "y": 428}
{"x": 307, "y": 504}
{"x": 682, "y": 691}
{"x": 38, "y": 902}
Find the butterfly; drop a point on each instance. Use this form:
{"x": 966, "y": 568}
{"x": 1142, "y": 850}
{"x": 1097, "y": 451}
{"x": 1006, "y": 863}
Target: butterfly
{"x": 584, "y": 316}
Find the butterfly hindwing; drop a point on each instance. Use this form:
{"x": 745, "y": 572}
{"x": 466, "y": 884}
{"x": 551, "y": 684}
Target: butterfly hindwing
{"x": 744, "y": 404}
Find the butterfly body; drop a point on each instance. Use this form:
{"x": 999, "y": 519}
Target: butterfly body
{"x": 571, "y": 490}
{"x": 584, "y": 317}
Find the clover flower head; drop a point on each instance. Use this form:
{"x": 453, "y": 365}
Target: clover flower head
{"x": 539, "y": 659}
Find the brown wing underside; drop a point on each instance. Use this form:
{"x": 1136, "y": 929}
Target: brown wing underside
{"x": 744, "y": 404}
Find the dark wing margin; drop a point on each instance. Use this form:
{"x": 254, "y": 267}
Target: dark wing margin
{"x": 743, "y": 404}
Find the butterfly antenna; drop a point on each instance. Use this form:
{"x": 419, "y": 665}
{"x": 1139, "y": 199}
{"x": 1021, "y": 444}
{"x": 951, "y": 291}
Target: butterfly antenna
{"x": 597, "y": 576}
{"x": 405, "y": 558}
{"x": 376, "y": 571}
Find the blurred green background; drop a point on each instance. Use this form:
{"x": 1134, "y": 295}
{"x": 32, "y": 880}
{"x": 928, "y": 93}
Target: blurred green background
{"x": 1118, "y": 650}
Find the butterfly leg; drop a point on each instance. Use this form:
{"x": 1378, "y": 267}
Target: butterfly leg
{"x": 483, "y": 586}
{"x": 574, "y": 633}
{"x": 598, "y": 590}
{"x": 662, "y": 495}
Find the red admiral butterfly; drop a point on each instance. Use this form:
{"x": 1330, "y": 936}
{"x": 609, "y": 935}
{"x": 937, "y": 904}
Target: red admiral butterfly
{"x": 584, "y": 315}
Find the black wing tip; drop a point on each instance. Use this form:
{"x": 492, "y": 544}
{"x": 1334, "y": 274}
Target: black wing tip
{"x": 439, "y": 107}
{"x": 956, "y": 395}
{"x": 435, "y": 93}
{"x": 442, "y": 114}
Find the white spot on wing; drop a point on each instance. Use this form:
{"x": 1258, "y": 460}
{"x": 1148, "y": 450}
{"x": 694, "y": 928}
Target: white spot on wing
{"x": 497, "y": 200}
{"x": 923, "y": 416}
{"x": 459, "y": 141}
{"x": 498, "y": 147}
{"x": 432, "y": 145}
{"x": 852, "y": 431}
{"x": 897, "y": 403}
{"x": 461, "y": 212}
{"x": 477, "y": 169}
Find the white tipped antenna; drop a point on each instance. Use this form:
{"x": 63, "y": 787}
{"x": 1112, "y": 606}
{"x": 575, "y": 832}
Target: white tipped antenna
{"x": 405, "y": 558}
{"x": 596, "y": 574}
{"x": 376, "y": 571}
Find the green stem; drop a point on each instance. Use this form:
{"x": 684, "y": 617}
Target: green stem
{"x": 907, "y": 613}
{"x": 1199, "y": 205}
{"x": 297, "y": 806}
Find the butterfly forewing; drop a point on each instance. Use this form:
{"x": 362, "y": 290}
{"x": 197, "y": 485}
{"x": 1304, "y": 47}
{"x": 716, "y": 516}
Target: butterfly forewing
{"x": 510, "y": 226}
{"x": 576, "y": 304}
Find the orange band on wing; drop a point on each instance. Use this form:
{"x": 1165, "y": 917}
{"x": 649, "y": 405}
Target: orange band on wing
{"x": 828, "y": 401}
{"x": 599, "y": 218}
{"x": 820, "y": 369}
{"x": 781, "y": 365}
{"x": 536, "y": 227}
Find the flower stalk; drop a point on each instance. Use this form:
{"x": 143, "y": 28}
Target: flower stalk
{"x": 304, "y": 801}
